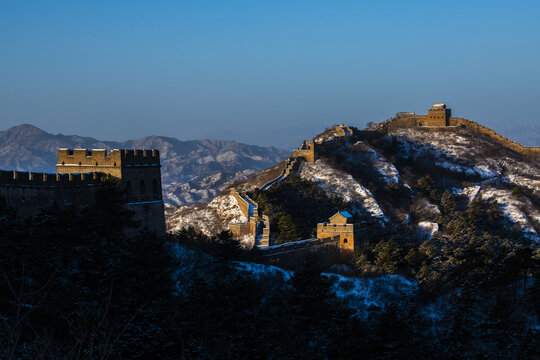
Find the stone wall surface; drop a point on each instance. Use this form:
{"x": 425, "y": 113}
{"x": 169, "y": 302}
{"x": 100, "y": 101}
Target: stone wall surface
{"x": 293, "y": 254}
{"x": 244, "y": 206}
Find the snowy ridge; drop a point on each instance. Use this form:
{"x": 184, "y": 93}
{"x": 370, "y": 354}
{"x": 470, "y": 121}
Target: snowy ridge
{"x": 360, "y": 294}
{"x": 383, "y": 166}
{"x": 451, "y": 151}
{"x": 343, "y": 185}
{"x": 513, "y": 209}
{"x": 498, "y": 169}
{"x": 466, "y": 152}
{"x": 195, "y": 190}
{"x": 209, "y": 219}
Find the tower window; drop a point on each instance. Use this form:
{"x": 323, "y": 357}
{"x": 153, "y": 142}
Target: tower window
{"x": 88, "y": 152}
{"x": 70, "y": 152}
{"x": 345, "y": 241}
{"x": 142, "y": 189}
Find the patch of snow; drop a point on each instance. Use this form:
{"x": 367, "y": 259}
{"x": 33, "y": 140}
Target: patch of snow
{"x": 210, "y": 219}
{"x": 512, "y": 208}
{"x": 228, "y": 156}
{"x": 247, "y": 241}
{"x": 428, "y": 228}
{"x": 261, "y": 270}
{"x": 361, "y": 293}
{"x": 228, "y": 209}
{"x": 338, "y": 183}
{"x": 472, "y": 192}
{"x": 383, "y": 166}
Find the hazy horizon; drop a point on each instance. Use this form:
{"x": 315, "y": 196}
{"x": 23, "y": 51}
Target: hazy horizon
{"x": 264, "y": 74}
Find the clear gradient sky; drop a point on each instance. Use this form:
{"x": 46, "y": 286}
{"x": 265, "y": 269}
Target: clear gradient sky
{"x": 262, "y": 72}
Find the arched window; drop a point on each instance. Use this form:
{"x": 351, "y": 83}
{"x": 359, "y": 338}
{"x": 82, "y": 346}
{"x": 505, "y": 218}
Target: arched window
{"x": 128, "y": 188}
{"x": 155, "y": 187}
{"x": 142, "y": 189}
{"x": 345, "y": 241}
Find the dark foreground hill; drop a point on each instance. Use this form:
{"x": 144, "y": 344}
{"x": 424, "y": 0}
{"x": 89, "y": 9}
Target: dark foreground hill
{"x": 74, "y": 286}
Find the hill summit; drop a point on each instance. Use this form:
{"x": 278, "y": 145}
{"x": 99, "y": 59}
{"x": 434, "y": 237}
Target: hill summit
{"x": 392, "y": 175}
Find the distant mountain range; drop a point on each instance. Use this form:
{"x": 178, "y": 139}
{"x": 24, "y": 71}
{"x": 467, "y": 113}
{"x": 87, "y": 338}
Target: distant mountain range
{"x": 184, "y": 163}
{"x": 527, "y": 135}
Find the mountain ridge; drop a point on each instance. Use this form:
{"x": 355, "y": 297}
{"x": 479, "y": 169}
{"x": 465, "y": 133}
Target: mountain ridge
{"x": 377, "y": 177}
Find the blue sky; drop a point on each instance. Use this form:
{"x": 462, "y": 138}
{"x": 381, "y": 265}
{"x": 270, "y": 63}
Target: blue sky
{"x": 268, "y": 73}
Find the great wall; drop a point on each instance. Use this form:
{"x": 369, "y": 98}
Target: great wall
{"x": 335, "y": 239}
{"x": 80, "y": 172}
{"x": 339, "y": 233}
{"x": 257, "y": 226}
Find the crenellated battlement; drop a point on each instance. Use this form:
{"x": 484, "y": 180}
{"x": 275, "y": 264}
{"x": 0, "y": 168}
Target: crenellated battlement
{"x": 101, "y": 157}
{"x": 68, "y": 158}
{"x": 32, "y": 179}
{"x": 140, "y": 157}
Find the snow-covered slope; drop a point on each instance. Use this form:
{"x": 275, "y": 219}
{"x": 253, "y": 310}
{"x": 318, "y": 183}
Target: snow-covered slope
{"x": 464, "y": 151}
{"x": 343, "y": 185}
{"x": 209, "y": 218}
{"x": 362, "y": 295}
{"x": 496, "y": 169}
{"x": 201, "y": 189}
{"x": 374, "y": 159}
{"x": 371, "y": 176}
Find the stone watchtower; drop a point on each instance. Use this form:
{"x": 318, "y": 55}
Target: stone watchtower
{"x": 308, "y": 151}
{"x": 341, "y": 225}
{"x": 438, "y": 115}
{"x": 138, "y": 172}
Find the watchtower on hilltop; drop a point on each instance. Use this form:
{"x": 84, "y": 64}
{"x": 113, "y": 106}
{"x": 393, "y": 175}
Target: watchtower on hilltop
{"x": 138, "y": 170}
{"x": 308, "y": 151}
{"x": 438, "y": 115}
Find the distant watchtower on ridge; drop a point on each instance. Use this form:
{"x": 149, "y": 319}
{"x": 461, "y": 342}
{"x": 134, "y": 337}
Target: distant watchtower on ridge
{"x": 438, "y": 115}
